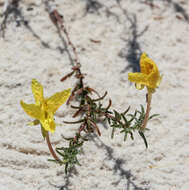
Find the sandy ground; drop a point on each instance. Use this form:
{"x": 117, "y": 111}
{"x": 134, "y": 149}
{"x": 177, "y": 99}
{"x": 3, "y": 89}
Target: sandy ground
{"x": 124, "y": 32}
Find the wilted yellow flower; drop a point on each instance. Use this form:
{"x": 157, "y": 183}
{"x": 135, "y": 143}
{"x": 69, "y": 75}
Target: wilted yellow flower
{"x": 44, "y": 108}
{"x": 149, "y": 75}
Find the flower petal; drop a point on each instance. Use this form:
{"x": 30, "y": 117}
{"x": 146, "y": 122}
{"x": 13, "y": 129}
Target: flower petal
{"x": 48, "y": 124}
{"x": 37, "y": 90}
{"x": 139, "y": 86}
{"x": 32, "y": 110}
{"x": 154, "y": 79}
{"x": 35, "y": 122}
{"x": 55, "y": 101}
{"x": 138, "y": 78}
{"x": 149, "y": 75}
{"x": 146, "y": 64}
{"x": 43, "y": 132}
{"x": 52, "y": 126}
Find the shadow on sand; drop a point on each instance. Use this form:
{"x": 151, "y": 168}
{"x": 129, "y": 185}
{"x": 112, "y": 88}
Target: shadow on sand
{"x": 94, "y": 6}
{"x": 176, "y": 7}
{"x": 132, "y": 50}
{"x": 117, "y": 169}
{"x": 14, "y": 10}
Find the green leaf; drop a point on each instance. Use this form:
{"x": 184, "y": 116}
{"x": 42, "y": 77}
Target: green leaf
{"x": 66, "y": 168}
{"x": 117, "y": 115}
{"x": 126, "y": 110}
{"x": 142, "y": 109}
{"x": 144, "y": 138}
{"x": 43, "y": 132}
{"x": 112, "y": 135}
{"x": 125, "y": 120}
{"x": 152, "y": 116}
{"x": 35, "y": 122}
{"x": 131, "y": 134}
{"x": 125, "y": 137}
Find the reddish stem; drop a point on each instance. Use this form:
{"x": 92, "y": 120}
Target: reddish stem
{"x": 145, "y": 121}
{"x": 51, "y": 148}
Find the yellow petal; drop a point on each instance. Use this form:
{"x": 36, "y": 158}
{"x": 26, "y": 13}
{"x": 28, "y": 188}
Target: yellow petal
{"x": 55, "y": 101}
{"x": 149, "y": 67}
{"x": 43, "y": 132}
{"x": 35, "y": 122}
{"x": 146, "y": 64}
{"x": 32, "y": 110}
{"x": 139, "y": 86}
{"x": 149, "y": 75}
{"x": 52, "y": 126}
{"x": 154, "y": 80}
{"x": 139, "y": 78}
{"x": 37, "y": 90}
{"x": 48, "y": 124}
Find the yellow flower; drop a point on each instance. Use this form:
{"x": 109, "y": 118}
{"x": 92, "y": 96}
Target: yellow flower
{"x": 149, "y": 75}
{"x": 44, "y": 108}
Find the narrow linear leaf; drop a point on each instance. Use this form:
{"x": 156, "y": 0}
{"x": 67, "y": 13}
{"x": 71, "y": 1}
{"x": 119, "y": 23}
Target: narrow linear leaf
{"x": 144, "y": 138}
{"x": 74, "y": 122}
{"x": 152, "y": 116}
{"x": 126, "y": 110}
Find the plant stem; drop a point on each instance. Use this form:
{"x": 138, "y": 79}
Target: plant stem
{"x": 149, "y": 98}
{"x": 51, "y": 148}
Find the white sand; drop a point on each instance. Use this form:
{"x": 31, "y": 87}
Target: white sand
{"x": 24, "y": 154}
